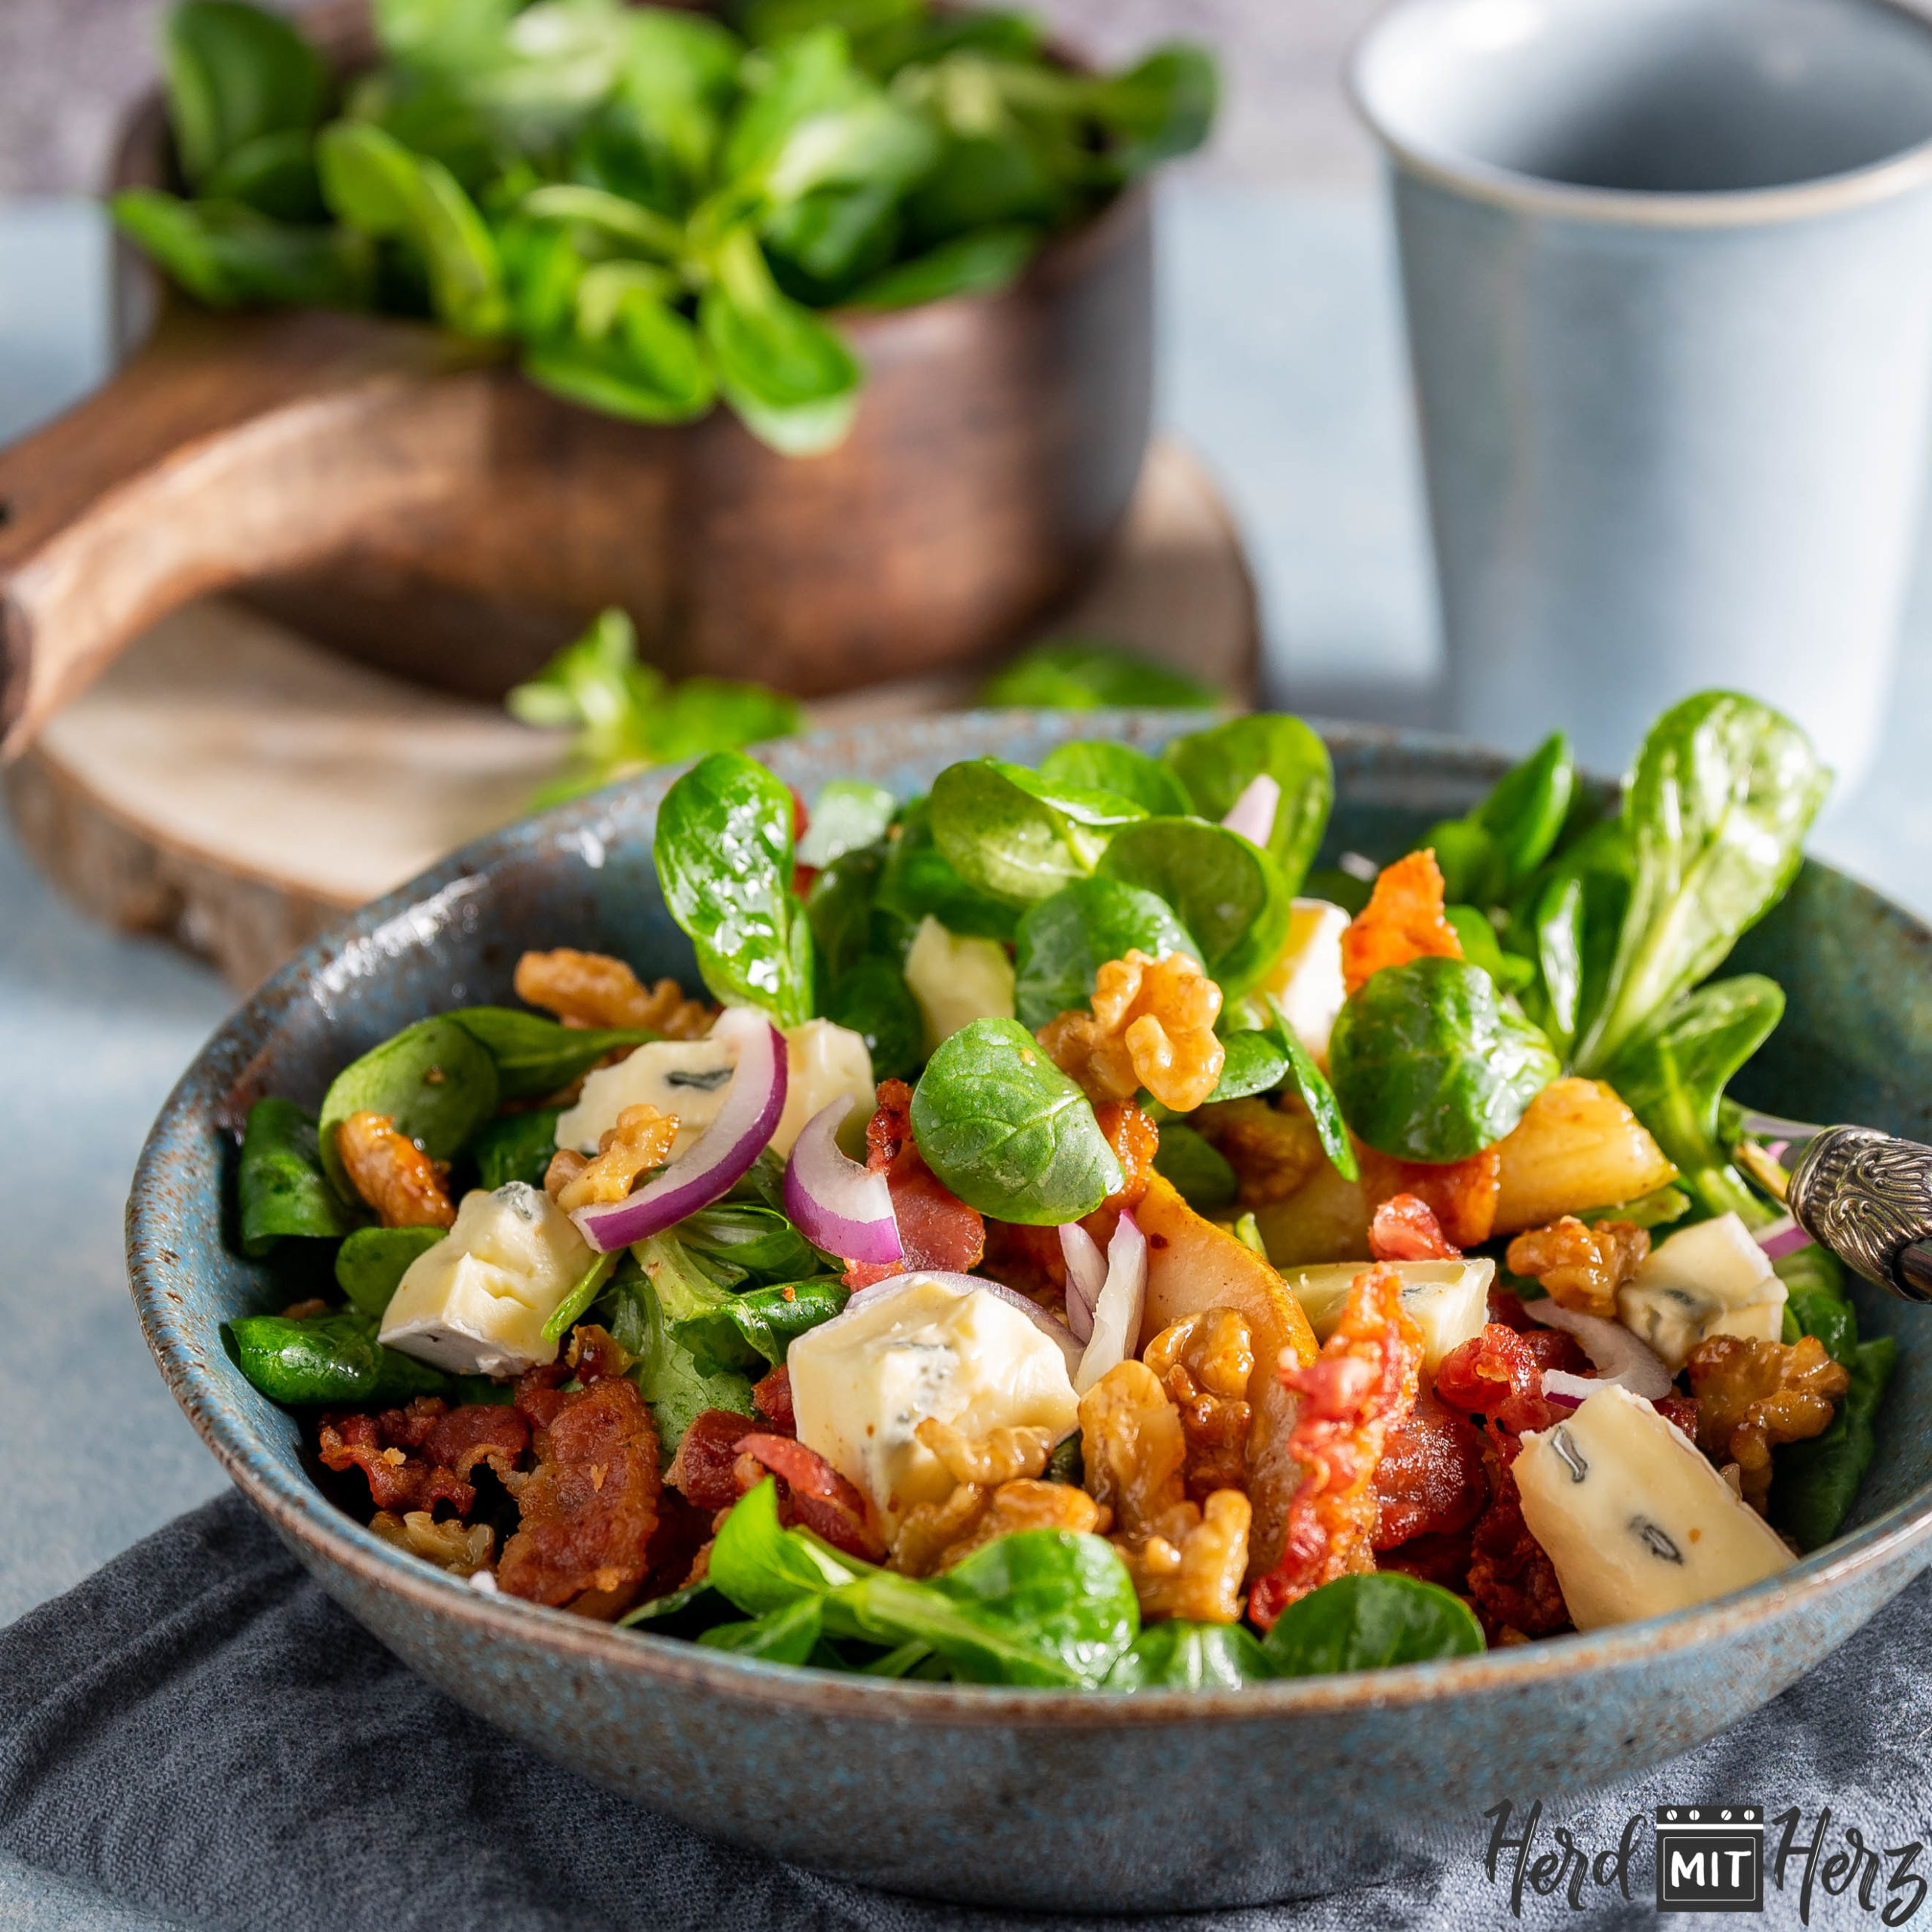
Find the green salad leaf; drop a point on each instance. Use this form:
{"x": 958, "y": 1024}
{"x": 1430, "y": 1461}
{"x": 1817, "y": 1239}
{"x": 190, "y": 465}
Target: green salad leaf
{"x": 919, "y": 882}
{"x": 280, "y": 1183}
{"x": 752, "y": 1330}
{"x": 1098, "y": 764}
{"x": 1218, "y": 764}
{"x": 1178, "y": 1655}
{"x": 1429, "y": 1065}
{"x": 725, "y": 858}
{"x": 1231, "y": 895}
{"x": 236, "y": 75}
{"x": 1081, "y": 674}
{"x": 1008, "y": 1132}
{"x": 1370, "y": 1623}
{"x": 1199, "y": 1172}
{"x": 627, "y": 716}
{"x": 667, "y": 1375}
{"x": 327, "y": 1359}
{"x": 535, "y": 1056}
{"x": 1063, "y": 940}
{"x": 377, "y": 186}
{"x": 1014, "y": 835}
{"x": 1722, "y": 794}
{"x": 870, "y": 999}
{"x": 436, "y": 1080}
{"x": 515, "y": 1147}
{"x": 1672, "y": 1076}
{"x": 371, "y": 1264}
{"x": 747, "y": 1240}
{"x": 1042, "y": 1606}
{"x": 848, "y": 815}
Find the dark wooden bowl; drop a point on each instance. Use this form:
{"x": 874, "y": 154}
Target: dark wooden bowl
{"x": 410, "y": 500}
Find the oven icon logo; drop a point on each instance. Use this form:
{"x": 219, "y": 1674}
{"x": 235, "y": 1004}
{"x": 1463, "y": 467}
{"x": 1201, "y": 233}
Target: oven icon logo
{"x": 1710, "y": 1857}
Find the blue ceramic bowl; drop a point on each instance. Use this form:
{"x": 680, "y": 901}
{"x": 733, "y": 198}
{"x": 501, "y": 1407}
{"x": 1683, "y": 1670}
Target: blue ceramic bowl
{"x": 1030, "y": 1798}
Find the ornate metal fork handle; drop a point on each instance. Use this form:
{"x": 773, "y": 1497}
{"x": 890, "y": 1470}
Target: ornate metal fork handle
{"x": 1868, "y": 1197}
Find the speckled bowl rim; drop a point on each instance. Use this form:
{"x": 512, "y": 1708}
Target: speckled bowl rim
{"x": 305, "y": 1516}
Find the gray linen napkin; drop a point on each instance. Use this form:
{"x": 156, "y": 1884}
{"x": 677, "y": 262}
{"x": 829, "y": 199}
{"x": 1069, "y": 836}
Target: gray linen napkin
{"x": 198, "y": 1730}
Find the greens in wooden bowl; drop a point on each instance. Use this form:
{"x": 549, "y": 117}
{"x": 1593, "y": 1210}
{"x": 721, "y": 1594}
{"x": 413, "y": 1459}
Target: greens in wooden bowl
{"x": 654, "y": 206}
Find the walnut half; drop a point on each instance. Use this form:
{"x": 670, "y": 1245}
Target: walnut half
{"x": 392, "y": 1174}
{"x": 1152, "y": 1025}
{"x": 996, "y": 1492}
{"x": 593, "y": 989}
{"x": 1752, "y": 1396}
{"x": 1581, "y": 1267}
{"x": 641, "y": 1139}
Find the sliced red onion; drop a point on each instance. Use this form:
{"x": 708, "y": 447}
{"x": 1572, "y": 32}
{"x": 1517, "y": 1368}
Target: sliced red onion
{"x": 1617, "y": 1353}
{"x": 1086, "y": 1276}
{"x": 839, "y": 1206}
{"x": 1253, "y": 813}
{"x": 1783, "y": 1237}
{"x": 1122, "y": 1303}
{"x": 1564, "y": 1390}
{"x": 714, "y": 1163}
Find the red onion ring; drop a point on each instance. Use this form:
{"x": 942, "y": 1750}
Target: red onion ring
{"x": 1617, "y": 1353}
{"x": 1562, "y": 1390}
{"x": 837, "y": 1204}
{"x": 1086, "y": 1277}
{"x": 720, "y": 1157}
{"x": 1120, "y": 1307}
{"x": 1784, "y": 1238}
{"x": 1253, "y": 813}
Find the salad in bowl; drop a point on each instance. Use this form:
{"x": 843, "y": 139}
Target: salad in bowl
{"x": 1064, "y": 1241}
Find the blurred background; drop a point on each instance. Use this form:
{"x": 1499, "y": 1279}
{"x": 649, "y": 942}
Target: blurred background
{"x": 1280, "y": 355}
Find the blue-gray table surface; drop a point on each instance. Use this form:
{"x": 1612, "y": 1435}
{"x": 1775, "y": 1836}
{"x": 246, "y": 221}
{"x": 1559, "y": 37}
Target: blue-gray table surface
{"x": 1281, "y": 362}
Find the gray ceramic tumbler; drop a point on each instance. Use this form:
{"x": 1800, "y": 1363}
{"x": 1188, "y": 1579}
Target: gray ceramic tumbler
{"x": 1668, "y": 271}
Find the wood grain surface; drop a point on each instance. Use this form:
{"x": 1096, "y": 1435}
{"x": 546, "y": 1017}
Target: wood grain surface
{"x": 230, "y": 785}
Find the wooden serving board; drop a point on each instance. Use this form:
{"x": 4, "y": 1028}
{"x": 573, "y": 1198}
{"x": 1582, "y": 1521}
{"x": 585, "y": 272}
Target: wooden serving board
{"x": 237, "y": 788}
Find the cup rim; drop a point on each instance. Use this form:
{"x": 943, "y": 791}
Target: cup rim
{"x": 1512, "y": 189}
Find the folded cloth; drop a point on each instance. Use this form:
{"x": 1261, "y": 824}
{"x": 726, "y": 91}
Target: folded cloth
{"x": 198, "y": 1730}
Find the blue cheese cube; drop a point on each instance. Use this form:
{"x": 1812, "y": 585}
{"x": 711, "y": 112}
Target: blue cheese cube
{"x": 1635, "y": 1519}
{"x": 1712, "y": 1279}
{"x": 476, "y": 1302}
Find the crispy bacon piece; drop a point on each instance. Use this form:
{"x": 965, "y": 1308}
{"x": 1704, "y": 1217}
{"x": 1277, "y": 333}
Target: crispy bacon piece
{"x": 392, "y": 1174}
{"x": 1499, "y": 1374}
{"x": 1460, "y": 1194}
{"x": 1511, "y": 1580}
{"x": 590, "y": 1507}
{"x": 538, "y": 1397}
{"x": 418, "y": 1456}
{"x": 1358, "y": 1389}
{"x": 703, "y": 1471}
{"x": 1431, "y": 1480}
{"x": 1443, "y": 1559}
{"x": 1404, "y": 1229}
{"x": 772, "y": 1399}
{"x": 1683, "y": 1410}
{"x": 819, "y": 1496}
{"x": 936, "y": 1229}
{"x": 724, "y": 1455}
{"x": 1403, "y": 921}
